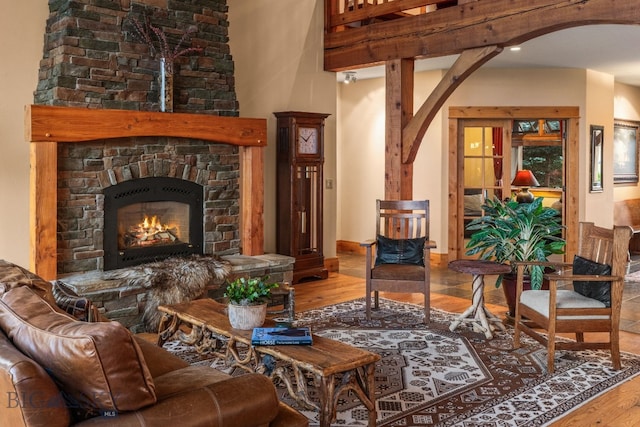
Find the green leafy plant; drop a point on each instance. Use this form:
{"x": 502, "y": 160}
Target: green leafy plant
{"x": 510, "y": 231}
{"x": 252, "y": 291}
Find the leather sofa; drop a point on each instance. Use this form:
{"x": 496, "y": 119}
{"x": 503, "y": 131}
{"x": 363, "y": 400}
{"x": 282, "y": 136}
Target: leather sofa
{"x": 56, "y": 370}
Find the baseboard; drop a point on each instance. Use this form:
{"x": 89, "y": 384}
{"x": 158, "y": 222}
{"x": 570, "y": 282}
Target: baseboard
{"x": 355, "y": 248}
{"x": 350, "y": 247}
{"x": 332, "y": 264}
{"x": 439, "y": 260}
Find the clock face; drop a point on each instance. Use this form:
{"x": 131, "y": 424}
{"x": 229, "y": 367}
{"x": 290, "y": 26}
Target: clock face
{"x": 307, "y": 140}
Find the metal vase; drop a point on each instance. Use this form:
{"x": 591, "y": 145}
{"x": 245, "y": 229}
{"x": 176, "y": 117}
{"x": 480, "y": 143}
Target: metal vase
{"x": 166, "y": 86}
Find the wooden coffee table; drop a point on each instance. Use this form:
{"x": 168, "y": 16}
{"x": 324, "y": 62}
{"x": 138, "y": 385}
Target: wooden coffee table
{"x": 336, "y": 367}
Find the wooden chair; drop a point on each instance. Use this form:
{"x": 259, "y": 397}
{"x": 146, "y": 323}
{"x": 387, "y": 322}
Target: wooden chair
{"x": 401, "y": 261}
{"x": 557, "y": 311}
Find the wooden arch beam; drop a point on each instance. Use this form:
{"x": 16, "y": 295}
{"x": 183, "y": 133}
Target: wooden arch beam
{"x": 469, "y": 61}
{"x": 453, "y": 30}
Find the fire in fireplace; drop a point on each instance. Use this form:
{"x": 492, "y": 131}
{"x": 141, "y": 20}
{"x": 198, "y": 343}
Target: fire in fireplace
{"x": 151, "y": 224}
{"x": 149, "y": 219}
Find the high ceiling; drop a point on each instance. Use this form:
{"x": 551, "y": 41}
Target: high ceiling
{"x": 611, "y": 49}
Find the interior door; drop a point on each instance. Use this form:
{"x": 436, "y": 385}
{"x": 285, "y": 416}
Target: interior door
{"x": 544, "y": 139}
{"x": 484, "y": 150}
{"x": 491, "y": 152}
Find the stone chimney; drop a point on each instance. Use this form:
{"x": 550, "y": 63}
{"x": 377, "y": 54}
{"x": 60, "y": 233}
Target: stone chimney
{"x": 94, "y": 58}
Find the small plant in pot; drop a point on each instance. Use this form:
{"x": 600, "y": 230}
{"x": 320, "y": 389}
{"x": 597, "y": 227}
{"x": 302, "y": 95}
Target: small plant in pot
{"x": 510, "y": 231}
{"x": 248, "y": 301}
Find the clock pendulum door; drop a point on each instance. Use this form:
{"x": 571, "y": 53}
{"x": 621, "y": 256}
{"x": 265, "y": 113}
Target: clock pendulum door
{"x": 307, "y": 239}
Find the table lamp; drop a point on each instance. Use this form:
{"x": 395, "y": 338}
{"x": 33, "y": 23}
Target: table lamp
{"x": 524, "y": 179}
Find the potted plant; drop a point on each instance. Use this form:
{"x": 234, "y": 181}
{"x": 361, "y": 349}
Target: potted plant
{"x": 509, "y": 231}
{"x": 248, "y": 301}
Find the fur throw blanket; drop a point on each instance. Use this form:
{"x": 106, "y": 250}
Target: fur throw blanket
{"x": 172, "y": 281}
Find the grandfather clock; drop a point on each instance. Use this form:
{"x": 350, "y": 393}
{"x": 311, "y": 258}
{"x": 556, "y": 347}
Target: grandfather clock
{"x": 300, "y": 158}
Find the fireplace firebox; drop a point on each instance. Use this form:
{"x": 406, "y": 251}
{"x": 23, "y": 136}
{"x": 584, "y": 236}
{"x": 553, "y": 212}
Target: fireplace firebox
{"x": 150, "y": 219}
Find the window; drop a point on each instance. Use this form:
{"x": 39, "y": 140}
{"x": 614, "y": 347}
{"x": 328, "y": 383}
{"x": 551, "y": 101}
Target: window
{"x": 537, "y": 146}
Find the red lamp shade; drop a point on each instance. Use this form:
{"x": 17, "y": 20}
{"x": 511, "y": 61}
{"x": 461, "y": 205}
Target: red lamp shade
{"x": 524, "y": 179}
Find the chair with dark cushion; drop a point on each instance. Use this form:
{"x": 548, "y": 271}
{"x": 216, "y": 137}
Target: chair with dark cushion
{"x": 597, "y": 274}
{"x": 400, "y": 262}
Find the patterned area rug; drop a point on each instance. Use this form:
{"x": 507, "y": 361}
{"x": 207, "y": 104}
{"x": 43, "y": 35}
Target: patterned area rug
{"x": 429, "y": 376}
{"x": 632, "y": 277}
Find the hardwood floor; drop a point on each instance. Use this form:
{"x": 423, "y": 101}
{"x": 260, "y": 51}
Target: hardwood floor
{"x": 618, "y": 407}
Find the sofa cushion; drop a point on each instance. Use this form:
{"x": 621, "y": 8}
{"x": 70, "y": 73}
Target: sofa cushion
{"x": 13, "y": 276}
{"x": 30, "y": 397}
{"x": 220, "y": 396}
{"x": 158, "y": 360}
{"x": 98, "y": 366}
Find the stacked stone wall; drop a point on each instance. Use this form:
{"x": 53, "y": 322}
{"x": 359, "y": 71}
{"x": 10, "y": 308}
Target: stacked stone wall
{"x": 85, "y": 170}
{"x": 93, "y": 56}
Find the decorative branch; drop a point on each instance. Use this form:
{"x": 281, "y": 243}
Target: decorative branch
{"x": 158, "y": 43}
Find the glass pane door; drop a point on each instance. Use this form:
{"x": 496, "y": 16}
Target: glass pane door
{"x": 485, "y": 157}
{"x": 491, "y": 152}
{"x": 537, "y": 145}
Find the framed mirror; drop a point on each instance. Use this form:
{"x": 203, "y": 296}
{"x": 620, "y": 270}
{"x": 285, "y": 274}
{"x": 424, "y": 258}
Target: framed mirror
{"x": 597, "y": 141}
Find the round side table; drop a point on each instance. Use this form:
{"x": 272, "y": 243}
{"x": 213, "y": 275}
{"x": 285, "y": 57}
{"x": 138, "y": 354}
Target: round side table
{"x": 477, "y": 314}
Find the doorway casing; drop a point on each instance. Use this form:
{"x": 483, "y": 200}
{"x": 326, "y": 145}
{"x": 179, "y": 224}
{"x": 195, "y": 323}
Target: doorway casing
{"x": 571, "y": 194}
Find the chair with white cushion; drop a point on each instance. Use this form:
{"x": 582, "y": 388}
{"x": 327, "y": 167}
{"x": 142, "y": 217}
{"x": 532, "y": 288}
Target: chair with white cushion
{"x": 597, "y": 274}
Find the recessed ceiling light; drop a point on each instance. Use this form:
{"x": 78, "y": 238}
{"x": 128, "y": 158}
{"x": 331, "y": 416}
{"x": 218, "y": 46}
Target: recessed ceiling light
{"x": 514, "y": 48}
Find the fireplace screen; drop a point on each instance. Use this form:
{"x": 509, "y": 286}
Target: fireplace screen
{"x": 149, "y": 219}
{"x": 151, "y": 224}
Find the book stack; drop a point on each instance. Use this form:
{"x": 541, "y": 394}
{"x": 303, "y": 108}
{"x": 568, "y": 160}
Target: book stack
{"x": 282, "y": 336}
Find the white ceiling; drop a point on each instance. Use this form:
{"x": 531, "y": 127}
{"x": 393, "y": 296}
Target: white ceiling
{"x": 611, "y": 49}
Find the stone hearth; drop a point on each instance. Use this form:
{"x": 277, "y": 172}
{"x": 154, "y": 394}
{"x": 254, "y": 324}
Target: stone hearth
{"x": 125, "y": 304}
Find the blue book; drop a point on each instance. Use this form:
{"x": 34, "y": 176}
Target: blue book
{"x": 282, "y": 336}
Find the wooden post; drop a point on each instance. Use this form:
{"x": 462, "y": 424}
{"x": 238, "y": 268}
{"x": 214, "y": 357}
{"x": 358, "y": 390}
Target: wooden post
{"x": 399, "y": 94}
{"x": 252, "y": 199}
{"x": 42, "y": 209}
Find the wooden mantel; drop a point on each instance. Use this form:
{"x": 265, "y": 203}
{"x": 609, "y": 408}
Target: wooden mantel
{"x": 46, "y": 126}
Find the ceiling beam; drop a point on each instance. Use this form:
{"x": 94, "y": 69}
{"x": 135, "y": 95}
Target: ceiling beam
{"x": 453, "y": 30}
{"x": 469, "y": 61}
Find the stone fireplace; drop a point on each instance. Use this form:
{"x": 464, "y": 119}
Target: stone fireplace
{"x": 95, "y": 127}
{"x": 51, "y": 128}
{"x": 95, "y": 61}
{"x": 192, "y": 186}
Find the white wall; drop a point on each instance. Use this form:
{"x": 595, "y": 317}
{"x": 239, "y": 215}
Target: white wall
{"x": 360, "y": 177}
{"x": 22, "y": 26}
{"x": 361, "y": 139}
{"x": 361, "y": 150}
{"x": 598, "y": 111}
{"x": 277, "y": 48}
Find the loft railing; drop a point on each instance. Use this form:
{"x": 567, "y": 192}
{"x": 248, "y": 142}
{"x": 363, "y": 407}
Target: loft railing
{"x": 342, "y": 14}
